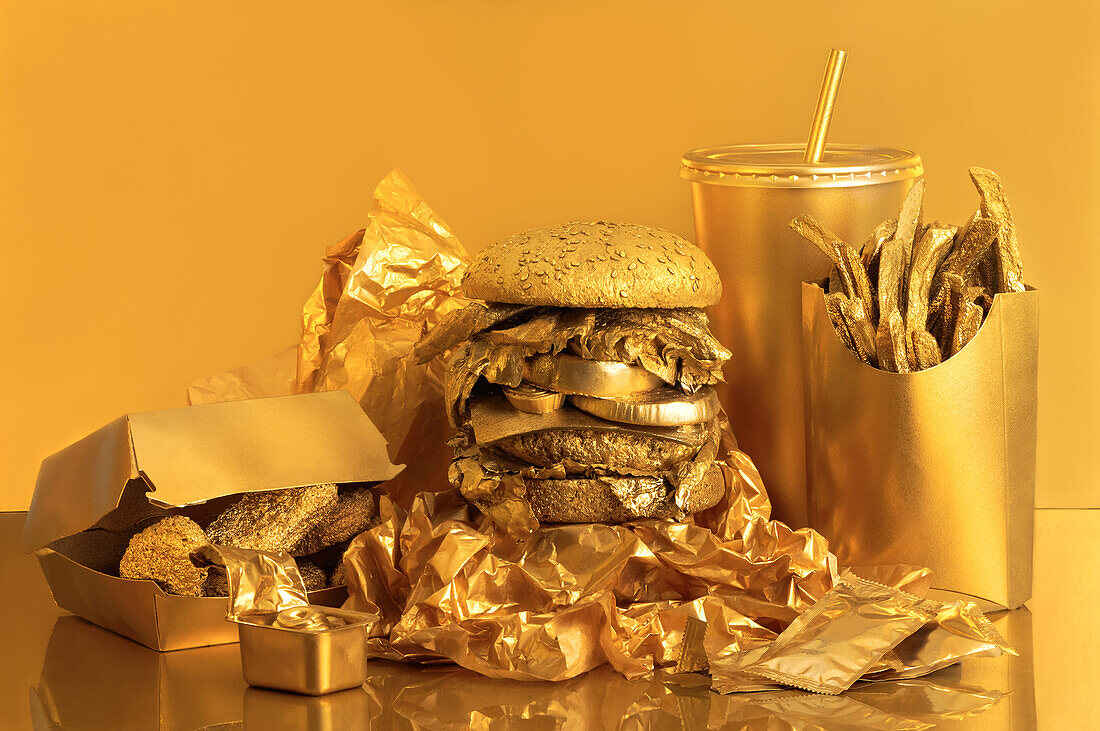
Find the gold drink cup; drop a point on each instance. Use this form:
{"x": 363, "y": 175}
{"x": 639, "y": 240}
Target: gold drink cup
{"x": 744, "y": 197}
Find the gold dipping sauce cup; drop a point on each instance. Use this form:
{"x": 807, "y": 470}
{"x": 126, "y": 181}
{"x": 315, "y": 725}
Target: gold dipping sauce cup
{"x": 744, "y": 197}
{"x": 306, "y": 659}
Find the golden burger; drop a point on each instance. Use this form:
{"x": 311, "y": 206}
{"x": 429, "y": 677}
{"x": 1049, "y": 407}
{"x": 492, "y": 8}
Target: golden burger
{"x": 581, "y": 377}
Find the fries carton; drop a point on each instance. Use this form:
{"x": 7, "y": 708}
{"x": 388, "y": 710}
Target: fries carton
{"x": 935, "y": 467}
{"x": 92, "y": 496}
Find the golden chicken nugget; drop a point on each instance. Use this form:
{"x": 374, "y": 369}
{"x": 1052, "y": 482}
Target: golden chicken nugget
{"x": 162, "y": 552}
{"x": 272, "y": 521}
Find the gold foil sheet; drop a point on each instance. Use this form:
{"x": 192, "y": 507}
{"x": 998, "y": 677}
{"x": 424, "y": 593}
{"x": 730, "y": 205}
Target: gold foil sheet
{"x": 380, "y": 288}
{"x": 450, "y": 586}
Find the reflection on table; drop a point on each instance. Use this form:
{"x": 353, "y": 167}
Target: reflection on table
{"x": 92, "y": 678}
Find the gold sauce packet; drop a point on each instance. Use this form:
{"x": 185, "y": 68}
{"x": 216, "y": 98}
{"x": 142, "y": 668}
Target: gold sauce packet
{"x": 831, "y": 645}
{"x": 727, "y": 677}
{"x": 959, "y": 630}
{"x": 693, "y": 656}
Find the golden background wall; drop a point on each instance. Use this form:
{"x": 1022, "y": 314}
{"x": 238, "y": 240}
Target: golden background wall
{"x": 171, "y": 172}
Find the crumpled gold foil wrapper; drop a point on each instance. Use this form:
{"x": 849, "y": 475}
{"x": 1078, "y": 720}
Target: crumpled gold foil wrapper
{"x": 260, "y": 582}
{"x": 451, "y": 586}
{"x": 380, "y": 287}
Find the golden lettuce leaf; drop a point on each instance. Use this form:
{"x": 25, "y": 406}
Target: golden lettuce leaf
{"x": 492, "y": 341}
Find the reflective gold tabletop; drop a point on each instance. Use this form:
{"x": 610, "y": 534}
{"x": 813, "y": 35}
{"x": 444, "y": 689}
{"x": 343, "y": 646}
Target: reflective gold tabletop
{"x": 58, "y": 671}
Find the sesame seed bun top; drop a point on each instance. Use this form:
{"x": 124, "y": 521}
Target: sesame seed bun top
{"x": 597, "y": 264}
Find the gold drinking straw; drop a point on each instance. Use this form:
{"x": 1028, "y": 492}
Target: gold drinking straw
{"x": 830, "y": 85}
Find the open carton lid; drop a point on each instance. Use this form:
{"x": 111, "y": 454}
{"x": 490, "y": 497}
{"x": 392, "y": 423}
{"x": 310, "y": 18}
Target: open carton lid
{"x": 198, "y": 453}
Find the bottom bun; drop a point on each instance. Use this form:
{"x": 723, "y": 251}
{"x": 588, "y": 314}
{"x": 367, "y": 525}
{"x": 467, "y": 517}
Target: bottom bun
{"x": 615, "y": 499}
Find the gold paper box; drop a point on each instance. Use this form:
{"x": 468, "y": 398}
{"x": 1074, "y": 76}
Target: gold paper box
{"x": 139, "y": 465}
{"x": 936, "y": 467}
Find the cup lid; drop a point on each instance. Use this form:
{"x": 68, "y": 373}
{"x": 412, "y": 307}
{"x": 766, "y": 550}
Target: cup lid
{"x": 782, "y": 166}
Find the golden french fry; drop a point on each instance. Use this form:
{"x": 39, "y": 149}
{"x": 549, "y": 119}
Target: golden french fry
{"x": 984, "y": 275}
{"x": 830, "y": 245}
{"x": 897, "y": 252}
{"x": 1008, "y": 270}
{"x": 922, "y": 349}
{"x": 865, "y": 291}
{"x": 955, "y": 297}
{"x": 971, "y": 244}
{"x": 891, "y": 274}
{"x": 859, "y": 325}
{"x": 872, "y": 248}
{"x": 910, "y": 219}
{"x": 965, "y": 228}
{"x": 835, "y": 283}
{"x": 966, "y": 327}
{"x": 836, "y": 314}
{"x": 890, "y": 342}
{"x": 948, "y": 303}
{"x": 980, "y": 297}
{"x": 928, "y": 255}
{"x": 873, "y": 245}
{"x": 849, "y": 266}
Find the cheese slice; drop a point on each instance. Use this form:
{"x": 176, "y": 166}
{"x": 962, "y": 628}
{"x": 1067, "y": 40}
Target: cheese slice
{"x": 493, "y": 418}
